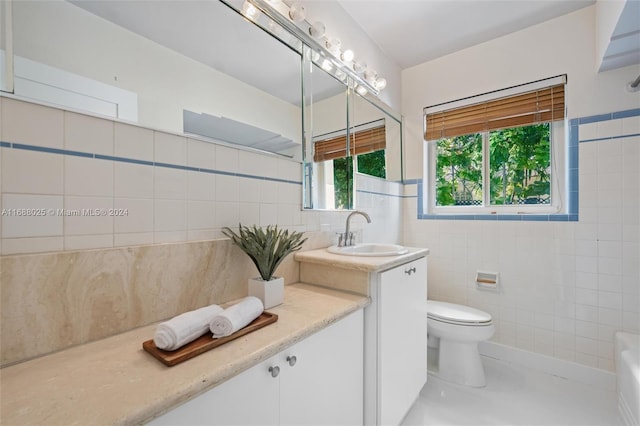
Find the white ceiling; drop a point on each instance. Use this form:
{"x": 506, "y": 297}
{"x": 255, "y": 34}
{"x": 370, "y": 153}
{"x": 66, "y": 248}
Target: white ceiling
{"x": 410, "y": 32}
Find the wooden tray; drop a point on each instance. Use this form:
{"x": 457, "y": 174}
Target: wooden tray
{"x": 205, "y": 343}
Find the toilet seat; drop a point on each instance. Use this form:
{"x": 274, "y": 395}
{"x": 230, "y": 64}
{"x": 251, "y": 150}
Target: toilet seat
{"x": 451, "y": 313}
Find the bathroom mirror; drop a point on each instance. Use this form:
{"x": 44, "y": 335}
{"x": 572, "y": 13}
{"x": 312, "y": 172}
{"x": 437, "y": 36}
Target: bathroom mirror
{"x": 346, "y": 135}
{"x": 183, "y": 66}
{"x": 377, "y": 139}
{"x": 188, "y": 66}
{"x": 328, "y": 184}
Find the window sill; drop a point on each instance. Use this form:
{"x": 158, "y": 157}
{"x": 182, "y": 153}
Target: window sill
{"x": 554, "y": 217}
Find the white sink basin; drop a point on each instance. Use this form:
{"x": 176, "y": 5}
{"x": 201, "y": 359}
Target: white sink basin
{"x": 372, "y": 249}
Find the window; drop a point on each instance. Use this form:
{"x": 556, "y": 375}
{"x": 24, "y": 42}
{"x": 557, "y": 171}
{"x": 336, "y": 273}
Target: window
{"x": 498, "y": 155}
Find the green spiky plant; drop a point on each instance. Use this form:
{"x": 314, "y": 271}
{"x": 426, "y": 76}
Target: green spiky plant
{"x": 267, "y": 248}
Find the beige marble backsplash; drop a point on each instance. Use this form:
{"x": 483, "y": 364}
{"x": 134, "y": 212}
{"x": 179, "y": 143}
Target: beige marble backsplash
{"x": 55, "y": 300}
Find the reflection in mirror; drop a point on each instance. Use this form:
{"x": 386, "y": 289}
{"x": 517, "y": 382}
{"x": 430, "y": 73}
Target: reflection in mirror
{"x": 375, "y": 139}
{"x": 351, "y": 135}
{"x": 150, "y": 61}
{"x": 325, "y": 116}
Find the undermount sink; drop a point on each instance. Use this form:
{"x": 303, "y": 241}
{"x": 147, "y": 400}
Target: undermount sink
{"x": 370, "y": 249}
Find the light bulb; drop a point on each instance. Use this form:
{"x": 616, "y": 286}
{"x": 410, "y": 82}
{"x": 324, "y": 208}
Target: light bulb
{"x": 249, "y": 10}
{"x": 381, "y": 83}
{"x": 317, "y": 29}
{"x": 361, "y": 90}
{"x": 333, "y": 44}
{"x": 370, "y": 75}
{"x": 296, "y": 12}
{"x": 326, "y": 65}
{"x": 347, "y": 55}
{"x": 359, "y": 66}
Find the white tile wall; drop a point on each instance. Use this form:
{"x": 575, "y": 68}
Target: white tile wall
{"x": 88, "y": 134}
{"x": 566, "y": 287}
{"x": 169, "y": 149}
{"x": 87, "y": 176}
{"x": 133, "y": 142}
{"x": 162, "y": 204}
{"x": 31, "y": 172}
{"x": 19, "y": 125}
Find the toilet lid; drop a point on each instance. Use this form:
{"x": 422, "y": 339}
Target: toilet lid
{"x": 451, "y": 312}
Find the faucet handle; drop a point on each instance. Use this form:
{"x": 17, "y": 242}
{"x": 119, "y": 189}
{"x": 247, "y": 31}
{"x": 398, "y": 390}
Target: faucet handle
{"x": 340, "y": 237}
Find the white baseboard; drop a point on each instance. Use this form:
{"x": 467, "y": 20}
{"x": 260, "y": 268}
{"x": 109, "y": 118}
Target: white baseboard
{"x": 550, "y": 365}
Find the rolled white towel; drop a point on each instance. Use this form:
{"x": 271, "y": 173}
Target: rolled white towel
{"x": 236, "y": 317}
{"x": 184, "y": 328}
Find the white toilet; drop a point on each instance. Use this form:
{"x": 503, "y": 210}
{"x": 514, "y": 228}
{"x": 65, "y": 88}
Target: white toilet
{"x": 454, "y": 332}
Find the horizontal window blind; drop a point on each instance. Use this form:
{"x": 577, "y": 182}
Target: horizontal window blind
{"x": 362, "y": 142}
{"x": 537, "y": 106}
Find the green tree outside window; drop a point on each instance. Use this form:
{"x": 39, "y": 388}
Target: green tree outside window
{"x": 519, "y": 167}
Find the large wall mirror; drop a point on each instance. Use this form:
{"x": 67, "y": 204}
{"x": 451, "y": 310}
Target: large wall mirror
{"x": 346, "y": 135}
{"x": 200, "y": 68}
{"x": 183, "y": 66}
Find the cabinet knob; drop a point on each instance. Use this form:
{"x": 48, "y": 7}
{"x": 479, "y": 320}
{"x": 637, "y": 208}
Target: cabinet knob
{"x": 410, "y": 270}
{"x": 274, "y": 371}
{"x": 292, "y": 360}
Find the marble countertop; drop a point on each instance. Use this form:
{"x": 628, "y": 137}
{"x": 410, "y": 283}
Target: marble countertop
{"x": 360, "y": 263}
{"x": 114, "y": 381}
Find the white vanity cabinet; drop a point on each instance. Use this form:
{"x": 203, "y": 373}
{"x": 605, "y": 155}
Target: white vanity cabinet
{"x": 318, "y": 380}
{"x": 395, "y": 342}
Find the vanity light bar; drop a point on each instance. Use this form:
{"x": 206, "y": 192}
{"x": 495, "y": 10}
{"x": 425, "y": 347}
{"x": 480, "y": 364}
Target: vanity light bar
{"x": 303, "y": 35}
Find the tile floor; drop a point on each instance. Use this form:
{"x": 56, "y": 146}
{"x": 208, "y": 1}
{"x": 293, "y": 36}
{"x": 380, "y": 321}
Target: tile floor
{"x": 514, "y": 395}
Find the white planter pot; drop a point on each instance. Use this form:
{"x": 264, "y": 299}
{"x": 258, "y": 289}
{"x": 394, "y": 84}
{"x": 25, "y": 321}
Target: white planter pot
{"x": 270, "y": 292}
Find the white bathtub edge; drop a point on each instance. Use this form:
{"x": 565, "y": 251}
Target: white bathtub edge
{"x": 550, "y": 365}
{"x": 627, "y": 352}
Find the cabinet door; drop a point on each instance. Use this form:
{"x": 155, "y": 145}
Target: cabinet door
{"x": 325, "y": 386}
{"x": 250, "y": 398}
{"x": 402, "y": 322}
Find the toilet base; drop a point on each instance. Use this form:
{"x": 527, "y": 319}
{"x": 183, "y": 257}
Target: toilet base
{"x": 459, "y": 362}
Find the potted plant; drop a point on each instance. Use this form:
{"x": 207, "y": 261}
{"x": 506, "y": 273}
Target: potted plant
{"x": 267, "y": 248}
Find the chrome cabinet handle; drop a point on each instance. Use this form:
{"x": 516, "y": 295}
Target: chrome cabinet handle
{"x": 292, "y": 360}
{"x": 410, "y": 270}
{"x": 274, "y": 371}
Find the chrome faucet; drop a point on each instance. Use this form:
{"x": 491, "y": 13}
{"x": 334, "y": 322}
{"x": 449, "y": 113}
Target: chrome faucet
{"x": 346, "y": 239}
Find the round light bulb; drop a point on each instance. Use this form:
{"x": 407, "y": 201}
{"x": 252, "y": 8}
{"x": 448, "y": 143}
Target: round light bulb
{"x": 333, "y": 44}
{"x": 370, "y": 76}
{"x": 381, "y": 83}
{"x": 296, "y": 12}
{"x": 347, "y": 55}
{"x": 317, "y": 29}
{"x": 361, "y": 90}
{"x": 359, "y": 66}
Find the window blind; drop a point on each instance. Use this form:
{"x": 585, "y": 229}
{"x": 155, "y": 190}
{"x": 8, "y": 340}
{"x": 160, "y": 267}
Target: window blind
{"x": 362, "y": 142}
{"x": 536, "y": 106}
